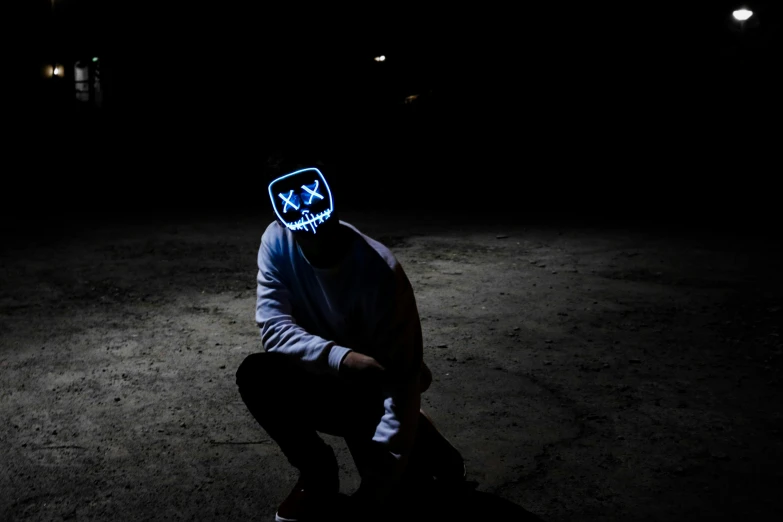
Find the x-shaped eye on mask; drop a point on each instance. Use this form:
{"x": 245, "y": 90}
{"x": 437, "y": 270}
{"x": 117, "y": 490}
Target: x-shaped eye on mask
{"x": 290, "y": 200}
{"x": 312, "y": 192}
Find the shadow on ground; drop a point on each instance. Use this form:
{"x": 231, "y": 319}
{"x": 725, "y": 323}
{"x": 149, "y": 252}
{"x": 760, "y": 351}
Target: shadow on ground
{"x": 455, "y": 504}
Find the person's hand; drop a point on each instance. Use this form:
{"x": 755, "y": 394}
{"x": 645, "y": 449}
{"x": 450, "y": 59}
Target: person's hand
{"x": 358, "y": 365}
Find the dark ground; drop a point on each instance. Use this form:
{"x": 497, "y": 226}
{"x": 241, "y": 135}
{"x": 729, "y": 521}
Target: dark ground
{"x": 586, "y": 371}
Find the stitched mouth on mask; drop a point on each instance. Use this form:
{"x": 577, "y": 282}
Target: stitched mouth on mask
{"x": 311, "y": 220}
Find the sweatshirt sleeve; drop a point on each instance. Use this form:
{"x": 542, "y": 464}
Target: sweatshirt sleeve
{"x": 279, "y": 331}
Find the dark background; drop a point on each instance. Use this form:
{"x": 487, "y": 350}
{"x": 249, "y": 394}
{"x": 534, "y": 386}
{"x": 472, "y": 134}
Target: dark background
{"x": 623, "y": 111}
{"x": 628, "y": 114}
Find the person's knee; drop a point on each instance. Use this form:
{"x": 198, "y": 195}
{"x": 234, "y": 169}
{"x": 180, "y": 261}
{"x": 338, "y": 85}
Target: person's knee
{"x": 425, "y": 379}
{"x": 258, "y": 368}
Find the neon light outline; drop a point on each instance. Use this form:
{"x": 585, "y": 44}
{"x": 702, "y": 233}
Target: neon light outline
{"x": 312, "y": 193}
{"x": 288, "y": 201}
{"x": 311, "y": 220}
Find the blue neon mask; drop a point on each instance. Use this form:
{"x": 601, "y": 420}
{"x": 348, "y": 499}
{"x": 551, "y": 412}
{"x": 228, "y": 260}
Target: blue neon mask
{"x": 302, "y": 199}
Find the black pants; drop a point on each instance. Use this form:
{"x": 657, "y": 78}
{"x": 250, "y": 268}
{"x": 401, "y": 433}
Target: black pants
{"x": 292, "y": 405}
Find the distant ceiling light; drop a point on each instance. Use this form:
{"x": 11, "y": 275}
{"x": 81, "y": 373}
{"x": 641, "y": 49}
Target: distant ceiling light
{"x": 742, "y": 14}
{"x": 380, "y": 58}
{"x": 94, "y": 58}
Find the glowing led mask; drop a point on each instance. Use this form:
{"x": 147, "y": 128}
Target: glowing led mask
{"x": 302, "y": 199}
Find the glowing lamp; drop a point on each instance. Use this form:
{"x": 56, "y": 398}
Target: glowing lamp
{"x": 53, "y": 71}
{"x": 742, "y": 14}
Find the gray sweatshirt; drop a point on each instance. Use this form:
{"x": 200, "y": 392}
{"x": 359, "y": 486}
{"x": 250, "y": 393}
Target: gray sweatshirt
{"x": 365, "y": 304}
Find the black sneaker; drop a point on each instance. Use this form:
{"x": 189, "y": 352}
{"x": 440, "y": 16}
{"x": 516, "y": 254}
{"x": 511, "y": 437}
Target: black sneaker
{"x": 313, "y": 495}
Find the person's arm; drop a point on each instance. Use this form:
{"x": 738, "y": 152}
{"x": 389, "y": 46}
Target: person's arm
{"x": 398, "y": 337}
{"x": 279, "y": 331}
